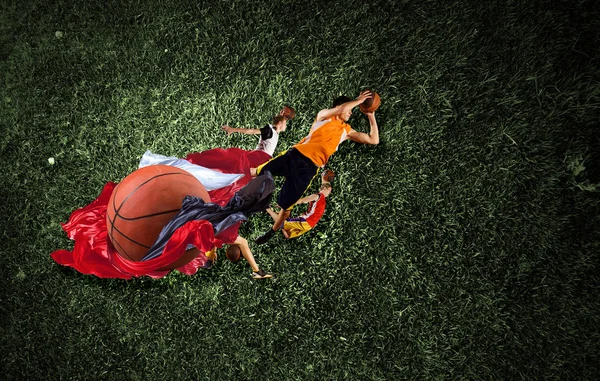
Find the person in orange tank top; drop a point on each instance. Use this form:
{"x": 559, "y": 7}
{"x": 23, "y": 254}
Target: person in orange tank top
{"x": 300, "y": 164}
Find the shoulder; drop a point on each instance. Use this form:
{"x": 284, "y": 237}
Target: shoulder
{"x": 318, "y": 123}
{"x": 267, "y": 132}
{"x": 351, "y": 131}
{"x": 328, "y": 113}
{"x": 322, "y": 115}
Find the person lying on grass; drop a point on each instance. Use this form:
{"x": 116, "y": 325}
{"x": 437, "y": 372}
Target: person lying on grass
{"x": 240, "y": 160}
{"x": 300, "y": 163}
{"x": 248, "y": 199}
{"x": 269, "y": 134}
{"x": 242, "y": 243}
{"x": 295, "y": 227}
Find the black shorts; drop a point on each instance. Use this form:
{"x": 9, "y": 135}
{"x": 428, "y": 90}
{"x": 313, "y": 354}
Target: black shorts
{"x": 298, "y": 171}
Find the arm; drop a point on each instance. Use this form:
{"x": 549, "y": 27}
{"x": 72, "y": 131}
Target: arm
{"x": 307, "y": 199}
{"x": 246, "y": 131}
{"x": 361, "y": 137}
{"x": 331, "y": 112}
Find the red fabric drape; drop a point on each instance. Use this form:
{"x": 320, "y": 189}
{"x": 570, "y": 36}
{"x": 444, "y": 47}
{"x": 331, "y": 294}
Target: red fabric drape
{"x": 94, "y": 254}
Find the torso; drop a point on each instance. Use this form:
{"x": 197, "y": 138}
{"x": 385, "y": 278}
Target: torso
{"x": 323, "y": 140}
{"x": 315, "y": 210}
{"x": 268, "y": 145}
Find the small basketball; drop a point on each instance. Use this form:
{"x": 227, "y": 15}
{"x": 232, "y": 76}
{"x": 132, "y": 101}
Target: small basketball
{"x": 143, "y": 203}
{"x": 233, "y": 253}
{"x": 328, "y": 175}
{"x": 370, "y": 104}
{"x": 288, "y": 112}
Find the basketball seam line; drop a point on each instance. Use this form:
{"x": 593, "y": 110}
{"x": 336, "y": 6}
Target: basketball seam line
{"x": 124, "y": 251}
{"x": 147, "y": 215}
{"x": 144, "y": 183}
{"x": 134, "y": 241}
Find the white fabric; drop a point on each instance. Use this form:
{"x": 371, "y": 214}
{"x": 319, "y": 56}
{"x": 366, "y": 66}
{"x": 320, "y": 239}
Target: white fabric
{"x": 268, "y": 146}
{"x": 211, "y": 179}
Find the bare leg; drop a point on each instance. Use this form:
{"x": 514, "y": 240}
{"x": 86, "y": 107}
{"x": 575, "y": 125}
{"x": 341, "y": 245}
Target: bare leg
{"x": 272, "y": 214}
{"x": 275, "y": 216}
{"x": 246, "y": 252}
{"x": 281, "y": 217}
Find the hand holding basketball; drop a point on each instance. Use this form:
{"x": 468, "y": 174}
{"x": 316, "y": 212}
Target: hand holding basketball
{"x": 371, "y": 103}
{"x": 364, "y": 95}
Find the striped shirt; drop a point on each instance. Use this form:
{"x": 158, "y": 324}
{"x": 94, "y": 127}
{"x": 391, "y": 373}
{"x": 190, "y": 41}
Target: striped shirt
{"x": 315, "y": 211}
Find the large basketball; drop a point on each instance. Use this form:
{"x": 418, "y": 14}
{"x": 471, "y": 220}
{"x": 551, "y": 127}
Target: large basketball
{"x": 143, "y": 203}
{"x": 370, "y": 104}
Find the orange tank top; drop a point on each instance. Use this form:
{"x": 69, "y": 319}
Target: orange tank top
{"x": 323, "y": 140}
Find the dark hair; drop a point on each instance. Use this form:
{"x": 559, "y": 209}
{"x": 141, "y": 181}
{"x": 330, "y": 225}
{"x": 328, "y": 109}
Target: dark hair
{"x": 278, "y": 118}
{"x": 340, "y": 100}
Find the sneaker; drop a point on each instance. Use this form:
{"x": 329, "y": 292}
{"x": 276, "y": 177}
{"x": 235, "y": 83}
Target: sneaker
{"x": 207, "y": 265}
{"x": 265, "y": 237}
{"x": 261, "y": 274}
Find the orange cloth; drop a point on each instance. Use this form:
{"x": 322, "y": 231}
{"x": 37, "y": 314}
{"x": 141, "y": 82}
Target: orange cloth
{"x": 323, "y": 140}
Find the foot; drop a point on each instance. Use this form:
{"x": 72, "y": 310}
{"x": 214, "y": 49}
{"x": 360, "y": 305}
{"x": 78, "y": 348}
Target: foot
{"x": 208, "y": 264}
{"x": 265, "y": 237}
{"x": 261, "y": 274}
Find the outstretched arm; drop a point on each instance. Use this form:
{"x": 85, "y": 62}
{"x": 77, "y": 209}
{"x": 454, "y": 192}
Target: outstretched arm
{"x": 307, "y": 199}
{"x": 246, "y": 131}
{"x": 331, "y": 112}
{"x": 372, "y": 137}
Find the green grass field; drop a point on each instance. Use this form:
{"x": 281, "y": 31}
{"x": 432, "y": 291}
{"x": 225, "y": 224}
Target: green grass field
{"x": 466, "y": 245}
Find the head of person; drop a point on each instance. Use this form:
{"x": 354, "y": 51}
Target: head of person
{"x": 325, "y": 189}
{"x": 280, "y": 123}
{"x": 345, "y": 116}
